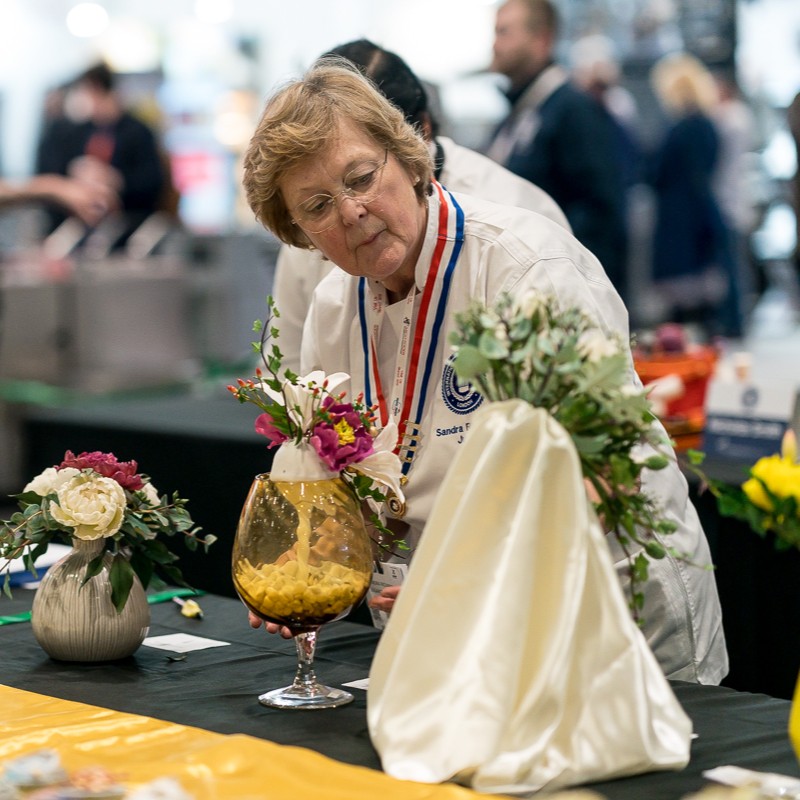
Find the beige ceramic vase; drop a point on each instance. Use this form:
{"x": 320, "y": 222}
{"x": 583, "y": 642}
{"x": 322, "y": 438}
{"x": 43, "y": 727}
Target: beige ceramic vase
{"x": 75, "y": 622}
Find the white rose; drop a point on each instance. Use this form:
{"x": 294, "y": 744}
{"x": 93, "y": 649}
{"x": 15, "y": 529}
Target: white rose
{"x": 92, "y": 505}
{"x": 594, "y": 345}
{"x": 51, "y": 480}
{"x": 151, "y": 493}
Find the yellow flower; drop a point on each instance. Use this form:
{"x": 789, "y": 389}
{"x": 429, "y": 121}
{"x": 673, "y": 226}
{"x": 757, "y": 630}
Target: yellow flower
{"x": 345, "y": 432}
{"x": 780, "y": 475}
{"x": 789, "y": 446}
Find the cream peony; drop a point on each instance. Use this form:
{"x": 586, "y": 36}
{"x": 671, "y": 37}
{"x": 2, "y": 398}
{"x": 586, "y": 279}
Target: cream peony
{"x": 51, "y": 480}
{"x": 92, "y": 505}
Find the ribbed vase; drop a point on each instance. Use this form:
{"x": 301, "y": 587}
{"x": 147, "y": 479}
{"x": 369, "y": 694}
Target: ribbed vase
{"x": 74, "y": 622}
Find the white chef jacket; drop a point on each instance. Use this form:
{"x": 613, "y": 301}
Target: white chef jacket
{"x": 511, "y": 250}
{"x": 298, "y": 271}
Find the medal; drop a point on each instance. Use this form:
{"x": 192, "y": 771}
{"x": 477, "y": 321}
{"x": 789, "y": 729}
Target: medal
{"x": 397, "y": 508}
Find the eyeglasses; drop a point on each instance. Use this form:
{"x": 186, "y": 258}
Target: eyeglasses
{"x": 363, "y": 183}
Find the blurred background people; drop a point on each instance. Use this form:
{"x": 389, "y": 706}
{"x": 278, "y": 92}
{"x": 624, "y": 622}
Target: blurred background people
{"x": 556, "y": 136}
{"x": 89, "y": 202}
{"x": 98, "y": 141}
{"x": 595, "y": 69}
{"x": 459, "y": 169}
{"x": 692, "y": 262}
{"x": 735, "y": 193}
{"x": 793, "y": 121}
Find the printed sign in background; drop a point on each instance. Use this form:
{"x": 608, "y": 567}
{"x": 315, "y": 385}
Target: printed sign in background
{"x": 747, "y": 420}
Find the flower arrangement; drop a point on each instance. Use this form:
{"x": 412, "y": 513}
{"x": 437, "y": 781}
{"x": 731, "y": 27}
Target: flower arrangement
{"x": 332, "y": 436}
{"x": 558, "y": 360}
{"x": 769, "y": 500}
{"x": 95, "y": 496}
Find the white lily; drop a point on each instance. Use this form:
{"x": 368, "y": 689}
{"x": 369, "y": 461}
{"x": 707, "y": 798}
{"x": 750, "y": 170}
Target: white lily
{"x": 298, "y": 397}
{"x": 383, "y": 465}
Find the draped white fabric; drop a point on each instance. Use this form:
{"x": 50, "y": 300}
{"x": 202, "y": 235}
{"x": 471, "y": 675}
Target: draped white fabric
{"x": 511, "y": 661}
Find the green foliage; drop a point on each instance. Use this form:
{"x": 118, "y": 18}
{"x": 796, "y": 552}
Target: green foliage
{"x": 558, "y": 360}
{"x": 768, "y": 501}
{"x": 295, "y": 423}
{"x": 137, "y": 547}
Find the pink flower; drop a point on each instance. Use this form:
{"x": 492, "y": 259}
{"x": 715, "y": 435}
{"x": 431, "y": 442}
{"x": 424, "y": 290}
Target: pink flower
{"x": 266, "y": 427}
{"x": 343, "y": 440}
{"x": 106, "y": 464}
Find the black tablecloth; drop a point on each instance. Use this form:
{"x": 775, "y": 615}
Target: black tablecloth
{"x": 217, "y": 689}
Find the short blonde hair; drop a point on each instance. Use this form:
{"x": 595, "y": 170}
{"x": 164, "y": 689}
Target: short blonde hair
{"x": 682, "y": 84}
{"x": 301, "y": 119}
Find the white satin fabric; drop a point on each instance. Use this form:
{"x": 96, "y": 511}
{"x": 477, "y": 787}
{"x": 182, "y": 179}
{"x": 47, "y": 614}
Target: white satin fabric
{"x": 510, "y": 661}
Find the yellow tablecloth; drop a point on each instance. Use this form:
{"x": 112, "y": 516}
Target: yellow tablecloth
{"x": 211, "y": 766}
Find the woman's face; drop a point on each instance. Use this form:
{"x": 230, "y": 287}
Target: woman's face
{"x": 378, "y": 238}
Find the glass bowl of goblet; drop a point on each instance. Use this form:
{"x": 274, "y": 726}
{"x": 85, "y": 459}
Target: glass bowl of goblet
{"x": 302, "y": 558}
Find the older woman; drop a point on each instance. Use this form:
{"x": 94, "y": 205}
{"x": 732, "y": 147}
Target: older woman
{"x": 333, "y": 166}
{"x": 298, "y": 272}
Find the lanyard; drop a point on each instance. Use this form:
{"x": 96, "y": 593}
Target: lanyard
{"x": 419, "y": 335}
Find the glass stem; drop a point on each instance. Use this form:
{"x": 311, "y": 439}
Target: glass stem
{"x": 306, "y": 643}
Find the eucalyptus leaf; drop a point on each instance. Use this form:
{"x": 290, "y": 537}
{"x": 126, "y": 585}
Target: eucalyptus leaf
{"x": 469, "y": 362}
{"x": 491, "y": 347}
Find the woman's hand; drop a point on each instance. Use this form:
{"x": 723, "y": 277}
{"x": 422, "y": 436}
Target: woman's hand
{"x": 386, "y": 599}
{"x": 257, "y": 622}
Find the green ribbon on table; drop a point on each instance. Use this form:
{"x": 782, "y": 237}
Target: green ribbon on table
{"x": 157, "y": 597}
{"x": 10, "y": 619}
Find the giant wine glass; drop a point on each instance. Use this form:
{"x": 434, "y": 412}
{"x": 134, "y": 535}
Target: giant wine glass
{"x": 301, "y": 558}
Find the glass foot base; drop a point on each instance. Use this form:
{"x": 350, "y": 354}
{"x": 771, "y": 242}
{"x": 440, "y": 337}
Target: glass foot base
{"x": 307, "y": 697}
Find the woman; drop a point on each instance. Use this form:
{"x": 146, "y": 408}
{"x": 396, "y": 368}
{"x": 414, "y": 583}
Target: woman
{"x": 298, "y": 272}
{"x": 693, "y": 267}
{"x": 333, "y": 166}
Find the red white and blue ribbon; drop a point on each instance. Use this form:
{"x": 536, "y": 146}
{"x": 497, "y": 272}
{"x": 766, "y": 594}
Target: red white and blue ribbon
{"x": 420, "y": 333}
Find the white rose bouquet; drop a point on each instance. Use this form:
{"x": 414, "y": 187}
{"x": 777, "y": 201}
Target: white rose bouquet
{"x": 95, "y": 496}
{"x": 527, "y": 348}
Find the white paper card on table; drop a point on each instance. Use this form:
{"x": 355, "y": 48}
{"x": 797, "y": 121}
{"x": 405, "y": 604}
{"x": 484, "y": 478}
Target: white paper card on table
{"x": 47, "y": 559}
{"x": 362, "y": 683}
{"x": 182, "y": 642}
{"x": 386, "y": 574}
{"x": 21, "y": 576}
{"x": 771, "y": 784}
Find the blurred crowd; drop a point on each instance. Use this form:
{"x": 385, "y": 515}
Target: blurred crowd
{"x": 670, "y": 217}
{"x": 576, "y": 131}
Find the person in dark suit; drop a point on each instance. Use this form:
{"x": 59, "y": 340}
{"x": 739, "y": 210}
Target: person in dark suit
{"x": 692, "y": 256}
{"x": 556, "y": 136}
{"x": 100, "y": 142}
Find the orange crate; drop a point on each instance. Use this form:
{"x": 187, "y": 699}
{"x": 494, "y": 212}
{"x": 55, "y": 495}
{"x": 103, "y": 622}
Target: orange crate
{"x": 694, "y": 368}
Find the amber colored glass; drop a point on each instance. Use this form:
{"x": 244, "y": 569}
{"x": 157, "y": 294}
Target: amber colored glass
{"x": 302, "y": 558}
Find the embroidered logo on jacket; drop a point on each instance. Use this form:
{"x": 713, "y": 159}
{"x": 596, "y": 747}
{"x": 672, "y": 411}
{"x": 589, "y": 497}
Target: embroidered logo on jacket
{"x": 461, "y": 398}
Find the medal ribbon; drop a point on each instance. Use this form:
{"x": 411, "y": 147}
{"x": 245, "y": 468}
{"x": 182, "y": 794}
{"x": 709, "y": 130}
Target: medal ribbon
{"x": 413, "y": 370}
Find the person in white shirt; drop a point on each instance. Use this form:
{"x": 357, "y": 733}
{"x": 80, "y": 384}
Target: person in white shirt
{"x": 459, "y": 169}
{"x": 333, "y": 166}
